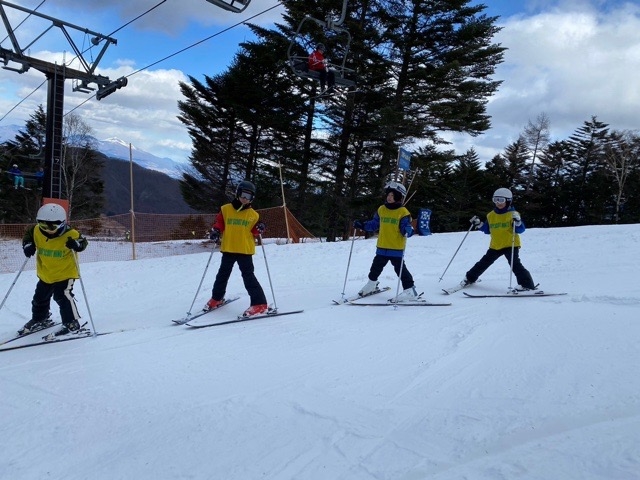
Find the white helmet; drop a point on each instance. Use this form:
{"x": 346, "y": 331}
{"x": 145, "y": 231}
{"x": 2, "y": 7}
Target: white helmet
{"x": 51, "y": 217}
{"x": 503, "y": 192}
{"x": 51, "y": 212}
{"x": 397, "y": 187}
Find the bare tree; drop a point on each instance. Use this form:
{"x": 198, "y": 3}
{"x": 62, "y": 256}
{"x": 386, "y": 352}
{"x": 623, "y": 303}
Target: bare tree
{"x": 622, "y": 157}
{"x": 77, "y": 152}
{"x": 536, "y": 138}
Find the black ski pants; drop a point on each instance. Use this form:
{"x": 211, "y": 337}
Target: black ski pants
{"x": 379, "y": 262}
{"x": 522, "y": 274}
{"x": 245, "y": 262}
{"x": 62, "y": 293}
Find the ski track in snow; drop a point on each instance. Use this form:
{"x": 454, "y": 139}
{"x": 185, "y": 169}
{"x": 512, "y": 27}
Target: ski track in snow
{"x": 486, "y": 389}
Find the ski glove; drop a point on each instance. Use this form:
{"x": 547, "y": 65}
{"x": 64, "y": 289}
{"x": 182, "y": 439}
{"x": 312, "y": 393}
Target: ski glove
{"x": 74, "y": 245}
{"x": 476, "y": 222}
{"x": 214, "y": 234}
{"x": 516, "y": 219}
{"x": 359, "y": 224}
{"x": 408, "y": 231}
{"x": 29, "y": 249}
{"x": 260, "y": 228}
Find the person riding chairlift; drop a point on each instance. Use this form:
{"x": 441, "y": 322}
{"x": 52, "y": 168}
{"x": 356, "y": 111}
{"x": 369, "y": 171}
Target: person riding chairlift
{"x": 318, "y": 63}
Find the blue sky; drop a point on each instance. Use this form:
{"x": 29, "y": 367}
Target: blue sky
{"x": 567, "y": 59}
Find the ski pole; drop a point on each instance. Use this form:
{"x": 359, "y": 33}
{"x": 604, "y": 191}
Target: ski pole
{"x": 353, "y": 239}
{"x": 400, "y": 273}
{"x": 84, "y": 293}
{"x": 264, "y": 254}
{"x": 14, "y": 282}
{"x": 201, "y": 281}
{"x": 513, "y": 247}
{"x": 456, "y": 252}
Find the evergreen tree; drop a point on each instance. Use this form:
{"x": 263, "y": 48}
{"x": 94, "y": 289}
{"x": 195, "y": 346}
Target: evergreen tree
{"x": 550, "y": 195}
{"x": 27, "y": 151}
{"x": 422, "y": 67}
{"x": 590, "y": 190}
{"x": 81, "y": 170}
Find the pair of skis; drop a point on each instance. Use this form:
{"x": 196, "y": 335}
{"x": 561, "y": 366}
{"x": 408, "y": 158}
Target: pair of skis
{"x": 50, "y": 338}
{"x": 509, "y": 294}
{"x": 200, "y": 321}
{"x": 355, "y": 300}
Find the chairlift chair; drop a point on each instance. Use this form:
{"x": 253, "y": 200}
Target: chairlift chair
{"x": 235, "y": 6}
{"x": 300, "y": 64}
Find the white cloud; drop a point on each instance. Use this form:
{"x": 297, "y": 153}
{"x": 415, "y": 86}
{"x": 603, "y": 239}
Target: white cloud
{"x": 143, "y": 113}
{"x": 570, "y": 63}
{"x": 174, "y": 15}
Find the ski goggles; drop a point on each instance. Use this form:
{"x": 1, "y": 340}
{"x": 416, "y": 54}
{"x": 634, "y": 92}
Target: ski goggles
{"x": 246, "y": 195}
{"x": 49, "y": 226}
{"x": 499, "y": 199}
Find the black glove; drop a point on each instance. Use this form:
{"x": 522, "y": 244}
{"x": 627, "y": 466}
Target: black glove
{"x": 74, "y": 245}
{"x": 29, "y": 249}
{"x": 359, "y": 224}
{"x": 214, "y": 234}
{"x": 260, "y": 227}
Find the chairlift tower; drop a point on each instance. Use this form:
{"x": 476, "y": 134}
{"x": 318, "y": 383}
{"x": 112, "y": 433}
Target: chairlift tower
{"x": 56, "y": 75}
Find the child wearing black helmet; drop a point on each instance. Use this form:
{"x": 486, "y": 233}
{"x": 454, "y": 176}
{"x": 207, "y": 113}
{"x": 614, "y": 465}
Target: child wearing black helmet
{"x": 238, "y": 223}
{"x": 505, "y": 226}
{"x": 393, "y": 221}
{"x": 53, "y": 242}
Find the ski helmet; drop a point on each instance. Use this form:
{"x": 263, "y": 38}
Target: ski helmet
{"x": 396, "y": 187}
{"x": 320, "y": 46}
{"x": 247, "y": 187}
{"x": 503, "y": 193}
{"x": 51, "y": 217}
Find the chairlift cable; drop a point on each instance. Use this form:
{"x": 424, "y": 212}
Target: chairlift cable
{"x": 23, "y": 20}
{"x": 154, "y": 63}
{"x": 187, "y": 48}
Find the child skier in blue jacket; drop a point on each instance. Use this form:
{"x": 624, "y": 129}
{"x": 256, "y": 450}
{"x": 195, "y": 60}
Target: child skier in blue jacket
{"x": 393, "y": 221}
{"x": 505, "y": 226}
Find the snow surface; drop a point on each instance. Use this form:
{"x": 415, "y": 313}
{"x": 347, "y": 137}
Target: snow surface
{"x": 501, "y": 388}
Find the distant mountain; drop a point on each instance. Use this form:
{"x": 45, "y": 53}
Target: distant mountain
{"x": 156, "y": 187}
{"x": 116, "y": 148}
{"x": 154, "y": 192}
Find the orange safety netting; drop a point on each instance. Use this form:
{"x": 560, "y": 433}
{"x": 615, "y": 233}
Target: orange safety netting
{"x": 128, "y": 237}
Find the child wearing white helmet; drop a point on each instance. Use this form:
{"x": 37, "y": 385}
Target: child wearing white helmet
{"x": 53, "y": 242}
{"x": 505, "y": 226}
{"x": 393, "y": 220}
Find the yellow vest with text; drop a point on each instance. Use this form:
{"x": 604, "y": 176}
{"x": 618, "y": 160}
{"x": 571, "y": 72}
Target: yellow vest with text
{"x": 390, "y": 236}
{"x": 237, "y": 236}
{"x": 54, "y": 261}
{"x": 501, "y": 230}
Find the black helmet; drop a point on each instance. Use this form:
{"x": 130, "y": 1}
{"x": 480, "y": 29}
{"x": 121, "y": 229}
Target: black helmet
{"x": 246, "y": 186}
{"x": 320, "y": 46}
